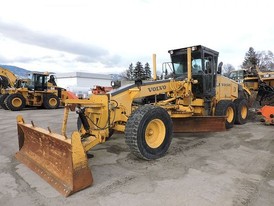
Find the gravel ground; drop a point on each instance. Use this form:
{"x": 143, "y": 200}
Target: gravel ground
{"x": 235, "y": 167}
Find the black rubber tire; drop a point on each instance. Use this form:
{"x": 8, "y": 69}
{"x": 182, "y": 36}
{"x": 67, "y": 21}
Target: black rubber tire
{"x": 51, "y": 101}
{"x": 15, "y": 102}
{"x": 135, "y": 131}
{"x": 241, "y": 106}
{"x": 222, "y": 108}
{"x": 4, "y": 82}
{"x": 2, "y": 101}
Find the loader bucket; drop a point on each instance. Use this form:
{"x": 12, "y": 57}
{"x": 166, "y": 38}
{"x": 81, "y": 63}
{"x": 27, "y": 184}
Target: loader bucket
{"x": 60, "y": 161}
{"x": 199, "y": 124}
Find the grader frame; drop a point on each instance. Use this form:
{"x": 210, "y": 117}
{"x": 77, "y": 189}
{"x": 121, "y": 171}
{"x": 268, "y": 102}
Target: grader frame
{"x": 209, "y": 99}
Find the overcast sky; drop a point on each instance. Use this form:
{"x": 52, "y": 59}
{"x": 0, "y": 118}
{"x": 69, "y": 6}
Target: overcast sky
{"x": 107, "y": 35}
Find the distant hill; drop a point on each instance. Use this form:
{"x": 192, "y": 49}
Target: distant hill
{"x": 16, "y": 70}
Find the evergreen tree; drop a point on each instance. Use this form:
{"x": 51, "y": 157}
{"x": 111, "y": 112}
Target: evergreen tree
{"x": 147, "y": 71}
{"x": 251, "y": 59}
{"x": 129, "y": 72}
{"x": 138, "y": 72}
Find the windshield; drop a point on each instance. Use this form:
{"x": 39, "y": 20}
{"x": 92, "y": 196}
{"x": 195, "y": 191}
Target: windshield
{"x": 180, "y": 64}
{"x": 236, "y": 75}
{"x": 197, "y": 66}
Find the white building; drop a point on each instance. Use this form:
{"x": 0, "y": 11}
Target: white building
{"x": 81, "y": 83}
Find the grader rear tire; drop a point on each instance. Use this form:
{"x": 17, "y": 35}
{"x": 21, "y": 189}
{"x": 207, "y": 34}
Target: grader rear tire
{"x": 149, "y": 132}
{"x": 241, "y": 106}
{"x": 15, "y": 102}
{"x": 226, "y": 108}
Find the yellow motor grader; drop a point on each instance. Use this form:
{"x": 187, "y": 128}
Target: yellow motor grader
{"x": 195, "y": 98}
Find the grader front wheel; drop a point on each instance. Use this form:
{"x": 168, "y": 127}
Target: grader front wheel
{"x": 149, "y": 132}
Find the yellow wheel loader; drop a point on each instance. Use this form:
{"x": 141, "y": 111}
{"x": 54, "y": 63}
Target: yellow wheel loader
{"x": 38, "y": 92}
{"x": 8, "y": 80}
{"x": 196, "y": 98}
{"x": 260, "y": 84}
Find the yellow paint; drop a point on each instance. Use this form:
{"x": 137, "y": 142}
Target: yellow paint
{"x": 79, "y": 158}
{"x": 155, "y": 133}
{"x": 154, "y": 66}
{"x": 226, "y": 89}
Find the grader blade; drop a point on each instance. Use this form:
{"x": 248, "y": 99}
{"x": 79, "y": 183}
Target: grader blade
{"x": 60, "y": 161}
{"x": 199, "y": 124}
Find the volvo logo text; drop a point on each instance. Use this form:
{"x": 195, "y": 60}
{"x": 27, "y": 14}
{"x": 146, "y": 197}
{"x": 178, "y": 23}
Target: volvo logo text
{"x": 158, "y": 88}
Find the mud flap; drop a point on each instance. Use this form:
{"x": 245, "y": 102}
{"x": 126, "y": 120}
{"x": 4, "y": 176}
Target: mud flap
{"x": 199, "y": 124}
{"x": 60, "y": 161}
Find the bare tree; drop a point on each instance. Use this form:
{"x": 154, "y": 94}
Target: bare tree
{"x": 266, "y": 60}
{"x": 263, "y": 59}
{"x": 227, "y": 68}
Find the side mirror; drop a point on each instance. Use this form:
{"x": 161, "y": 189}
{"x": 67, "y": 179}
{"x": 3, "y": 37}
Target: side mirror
{"x": 116, "y": 84}
{"x": 219, "y": 70}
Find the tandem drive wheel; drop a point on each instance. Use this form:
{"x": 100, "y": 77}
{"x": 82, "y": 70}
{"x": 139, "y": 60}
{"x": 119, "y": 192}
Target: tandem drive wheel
{"x": 226, "y": 108}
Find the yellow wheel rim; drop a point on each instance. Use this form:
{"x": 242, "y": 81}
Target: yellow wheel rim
{"x": 52, "y": 101}
{"x": 16, "y": 102}
{"x": 229, "y": 114}
{"x": 155, "y": 133}
{"x": 244, "y": 111}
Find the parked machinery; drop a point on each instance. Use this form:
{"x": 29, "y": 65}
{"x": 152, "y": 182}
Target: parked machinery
{"x": 261, "y": 84}
{"x": 40, "y": 91}
{"x": 197, "y": 99}
{"x": 267, "y": 114}
{"x": 7, "y": 79}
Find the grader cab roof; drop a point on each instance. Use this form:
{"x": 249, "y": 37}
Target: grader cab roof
{"x": 197, "y": 48}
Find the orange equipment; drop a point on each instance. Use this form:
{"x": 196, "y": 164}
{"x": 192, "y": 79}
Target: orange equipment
{"x": 267, "y": 113}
